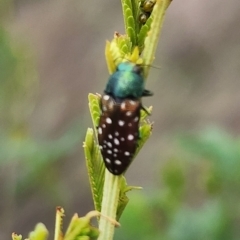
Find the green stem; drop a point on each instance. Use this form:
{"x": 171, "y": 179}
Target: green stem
{"x": 109, "y": 205}
{"x": 152, "y": 39}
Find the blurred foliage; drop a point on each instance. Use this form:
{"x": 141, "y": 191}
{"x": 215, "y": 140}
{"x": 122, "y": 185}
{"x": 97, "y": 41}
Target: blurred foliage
{"x": 33, "y": 157}
{"x": 167, "y": 213}
{"x": 18, "y": 149}
{"x": 18, "y": 84}
{"x": 5, "y": 8}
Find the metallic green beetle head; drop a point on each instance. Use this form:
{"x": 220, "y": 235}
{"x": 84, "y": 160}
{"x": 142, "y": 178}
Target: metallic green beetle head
{"x": 127, "y": 82}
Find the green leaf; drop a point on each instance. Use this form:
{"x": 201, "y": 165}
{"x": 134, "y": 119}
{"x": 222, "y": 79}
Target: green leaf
{"x": 144, "y": 32}
{"x": 123, "y": 199}
{"x": 145, "y": 132}
{"x": 16, "y": 237}
{"x": 81, "y": 228}
{"x": 144, "y": 114}
{"x": 94, "y": 108}
{"x": 95, "y": 167}
{"x": 136, "y": 12}
{"x": 40, "y": 232}
{"x": 129, "y": 20}
{"x": 58, "y": 233}
{"x": 117, "y": 50}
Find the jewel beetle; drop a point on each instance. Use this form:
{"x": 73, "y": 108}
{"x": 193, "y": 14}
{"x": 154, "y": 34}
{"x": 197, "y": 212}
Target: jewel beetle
{"x": 118, "y": 128}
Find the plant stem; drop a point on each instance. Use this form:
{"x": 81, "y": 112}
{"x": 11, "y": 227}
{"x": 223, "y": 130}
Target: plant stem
{"x": 109, "y": 205}
{"x": 152, "y": 39}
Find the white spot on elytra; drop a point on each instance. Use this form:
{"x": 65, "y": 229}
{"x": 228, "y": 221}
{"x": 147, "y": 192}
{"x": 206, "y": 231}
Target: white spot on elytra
{"x": 122, "y": 139}
{"x": 110, "y": 136}
{"x": 108, "y": 160}
{"x": 99, "y": 130}
{"x": 136, "y": 119}
{"x": 104, "y": 108}
{"x": 121, "y": 122}
{"x": 115, "y": 150}
{"x": 116, "y": 141}
{"x": 106, "y": 97}
{"x": 130, "y": 124}
{"x": 108, "y": 120}
{"x": 109, "y": 151}
{"x": 123, "y": 105}
{"x": 110, "y": 105}
{"x": 128, "y": 113}
{"x": 127, "y": 153}
{"x": 104, "y": 125}
{"x": 100, "y": 147}
{"x": 132, "y": 102}
{"x": 114, "y": 155}
{"x": 117, "y": 162}
{"x": 116, "y": 133}
{"x": 130, "y": 137}
{"x": 109, "y": 144}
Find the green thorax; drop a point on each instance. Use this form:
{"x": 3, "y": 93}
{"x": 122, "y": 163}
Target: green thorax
{"x": 126, "y": 82}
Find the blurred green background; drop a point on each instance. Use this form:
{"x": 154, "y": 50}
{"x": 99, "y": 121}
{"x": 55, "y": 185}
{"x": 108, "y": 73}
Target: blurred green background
{"x": 52, "y": 56}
